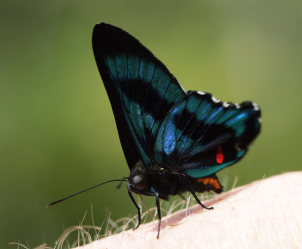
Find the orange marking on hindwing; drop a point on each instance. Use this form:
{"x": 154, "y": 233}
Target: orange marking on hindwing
{"x": 210, "y": 181}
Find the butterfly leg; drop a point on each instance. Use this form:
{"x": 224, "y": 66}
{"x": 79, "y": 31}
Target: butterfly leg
{"x": 158, "y": 213}
{"x": 137, "y": 207}
{"x": 199, "y": 202}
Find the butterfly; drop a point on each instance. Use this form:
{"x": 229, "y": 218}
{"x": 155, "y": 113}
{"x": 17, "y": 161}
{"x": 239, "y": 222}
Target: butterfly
{"x": 174, "y": 141}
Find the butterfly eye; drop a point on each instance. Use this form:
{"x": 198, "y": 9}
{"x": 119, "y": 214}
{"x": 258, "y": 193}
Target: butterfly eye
{"x": 137, "y": 179}
{"x": 139, "y": 182}
{"x": 219, "y": 155}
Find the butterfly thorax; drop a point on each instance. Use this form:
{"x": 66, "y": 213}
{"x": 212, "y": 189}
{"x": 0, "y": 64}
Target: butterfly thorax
{"x": 156, "y": 179}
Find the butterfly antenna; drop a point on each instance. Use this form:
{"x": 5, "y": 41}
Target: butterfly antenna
{"x": 125, "y": 179}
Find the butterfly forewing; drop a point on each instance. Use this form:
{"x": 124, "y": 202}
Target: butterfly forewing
{"x": 140, "y": 88}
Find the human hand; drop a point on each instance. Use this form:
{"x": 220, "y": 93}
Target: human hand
{"x": 264, "y": 214}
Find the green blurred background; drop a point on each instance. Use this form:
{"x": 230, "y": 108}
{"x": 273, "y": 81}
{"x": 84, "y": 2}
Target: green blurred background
{"x": 57, "y": 131}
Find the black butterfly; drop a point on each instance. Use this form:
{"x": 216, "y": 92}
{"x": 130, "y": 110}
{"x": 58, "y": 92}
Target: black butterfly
{"x": 174, "y": 141}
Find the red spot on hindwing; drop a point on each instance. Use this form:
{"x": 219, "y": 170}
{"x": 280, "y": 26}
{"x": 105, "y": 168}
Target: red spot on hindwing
{"x": 219, "y": 155}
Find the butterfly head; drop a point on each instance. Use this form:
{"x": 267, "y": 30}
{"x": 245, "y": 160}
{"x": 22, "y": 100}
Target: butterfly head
{"x": 138, "y": 180}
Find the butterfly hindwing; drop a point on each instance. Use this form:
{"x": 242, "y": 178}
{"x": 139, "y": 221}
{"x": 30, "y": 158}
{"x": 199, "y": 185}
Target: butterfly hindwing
{"x": 140, "y": 88}
{"x": 202, "y": 135}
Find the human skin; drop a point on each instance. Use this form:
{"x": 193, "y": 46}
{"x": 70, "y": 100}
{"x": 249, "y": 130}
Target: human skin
{"x": 264, "y": 214}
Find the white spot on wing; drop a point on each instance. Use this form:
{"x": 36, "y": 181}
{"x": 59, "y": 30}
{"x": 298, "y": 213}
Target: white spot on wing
{"x": 226, "y": 104}
{"x": 215, "y": 100}
{"x": 237, "y": 106}
{"x": 201, "y": 93}
{"x": 256, "y": 107}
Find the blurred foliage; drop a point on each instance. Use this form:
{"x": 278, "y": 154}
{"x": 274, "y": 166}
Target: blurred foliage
{"x": 57, "y": 131}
